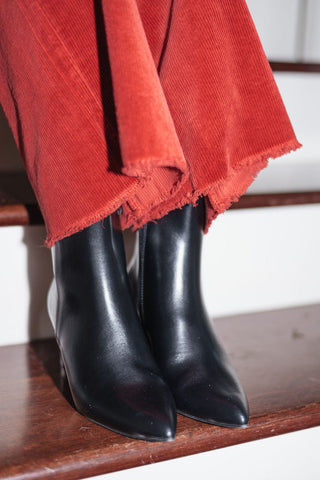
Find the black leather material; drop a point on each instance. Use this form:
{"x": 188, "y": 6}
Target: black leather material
{"x": 188, "y": 352}
{"x": 112, "y": 374}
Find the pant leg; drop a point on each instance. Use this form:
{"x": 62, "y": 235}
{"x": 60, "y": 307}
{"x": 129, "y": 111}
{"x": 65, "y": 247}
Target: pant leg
{"x": 147, "y": 106}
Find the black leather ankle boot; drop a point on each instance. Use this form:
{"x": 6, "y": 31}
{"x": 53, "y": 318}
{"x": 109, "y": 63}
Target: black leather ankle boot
{"x": 190, "y": 356}
{"x": 112, "y": 374}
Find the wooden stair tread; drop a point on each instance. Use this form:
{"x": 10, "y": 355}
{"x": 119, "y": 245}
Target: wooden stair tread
{"x": 276, "y": 355}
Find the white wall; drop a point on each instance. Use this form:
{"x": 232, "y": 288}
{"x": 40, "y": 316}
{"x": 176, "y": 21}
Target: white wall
{"x": 25, "y": 275}
{"x": 288, "y": 29}
{"x": 262, "y": 259}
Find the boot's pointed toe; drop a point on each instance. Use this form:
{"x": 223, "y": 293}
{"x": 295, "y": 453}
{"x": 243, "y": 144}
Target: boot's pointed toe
{"x": 238, "y": 416}
{"x": 203, "y": 403}
{"x": 144, "y": 410}
{"x": 149, "y": 408}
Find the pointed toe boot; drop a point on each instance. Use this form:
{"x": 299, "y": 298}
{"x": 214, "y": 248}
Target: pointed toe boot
{"x": 113, "y": 377}
{"x": 166, "y": 275}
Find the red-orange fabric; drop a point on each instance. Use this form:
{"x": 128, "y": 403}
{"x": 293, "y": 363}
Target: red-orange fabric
{"x": 137, "y": 104}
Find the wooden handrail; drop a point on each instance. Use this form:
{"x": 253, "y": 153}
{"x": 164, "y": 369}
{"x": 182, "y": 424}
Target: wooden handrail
{"x": 295, "y": 67}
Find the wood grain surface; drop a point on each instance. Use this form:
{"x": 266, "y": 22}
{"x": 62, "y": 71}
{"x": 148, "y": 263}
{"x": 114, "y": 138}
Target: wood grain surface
{"x": 276, "y": 355}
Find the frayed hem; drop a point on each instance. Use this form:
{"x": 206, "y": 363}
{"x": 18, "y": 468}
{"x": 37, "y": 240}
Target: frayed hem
{"x": 220, "y": 195}
{"x": 118, "y": 205}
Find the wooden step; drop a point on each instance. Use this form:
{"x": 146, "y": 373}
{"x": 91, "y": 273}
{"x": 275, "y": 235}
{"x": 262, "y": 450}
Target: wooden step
{"x": 276, "y": 355}
{"x": 18, "y": 205}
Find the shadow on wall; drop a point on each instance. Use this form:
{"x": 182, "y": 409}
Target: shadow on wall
{"x": 40, "y": 274}
{"x": 9, "y": 156}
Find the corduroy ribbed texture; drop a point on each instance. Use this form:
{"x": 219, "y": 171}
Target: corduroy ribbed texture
{"x": 137, "y": 104}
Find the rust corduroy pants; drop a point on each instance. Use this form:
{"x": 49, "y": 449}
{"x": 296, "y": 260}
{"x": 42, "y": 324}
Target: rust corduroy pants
{"x": 139, "y": 104}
